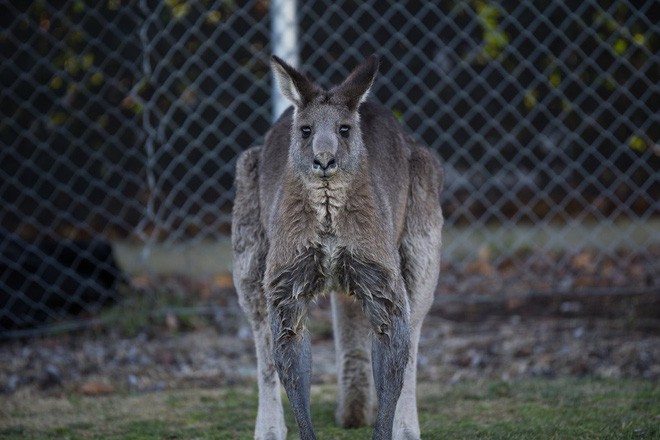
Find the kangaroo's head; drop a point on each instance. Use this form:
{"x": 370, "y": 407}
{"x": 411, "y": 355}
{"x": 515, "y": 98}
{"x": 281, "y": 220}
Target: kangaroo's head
{"x": 326, "y": 141}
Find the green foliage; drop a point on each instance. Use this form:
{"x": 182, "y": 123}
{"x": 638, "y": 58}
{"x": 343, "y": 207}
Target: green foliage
{"x": 398, "y": 114}
{"x": 495, "y": 39}
{"x": 637, "y": 143}
{"x": 178, "y": 8}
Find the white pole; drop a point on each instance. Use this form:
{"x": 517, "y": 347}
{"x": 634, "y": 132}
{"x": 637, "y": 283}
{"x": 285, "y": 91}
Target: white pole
{"x": 284, "y": 37}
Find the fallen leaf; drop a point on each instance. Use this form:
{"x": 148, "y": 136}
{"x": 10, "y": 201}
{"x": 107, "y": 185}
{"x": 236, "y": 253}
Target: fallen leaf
{"x": 480, "y": 267}
{"x": 584, "y": 261}
{"x": 96, "y": 389}
{"x": 223, "y": 281}
{"x": 171, "y": 322}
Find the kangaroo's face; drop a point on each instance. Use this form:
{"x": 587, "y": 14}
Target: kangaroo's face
{"x": 326, "y": 142}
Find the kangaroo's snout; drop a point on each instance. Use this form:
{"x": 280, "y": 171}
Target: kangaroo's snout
{"x": 325, "y": 164}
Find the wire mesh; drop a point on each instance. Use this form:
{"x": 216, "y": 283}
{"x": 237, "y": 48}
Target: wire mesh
{"x": 122, "y": 121}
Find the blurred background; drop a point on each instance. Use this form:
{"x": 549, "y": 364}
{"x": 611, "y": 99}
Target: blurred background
{"x": 122, "y": 121}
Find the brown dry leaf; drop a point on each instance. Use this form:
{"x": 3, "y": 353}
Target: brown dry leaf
{"x": 141, "y": 281}
{"x": 584, "y": 261}
{"x": 128, "y": 102}
{"x": 523, "y": 352}
{"x": 96, "y": 389}
{"x": 546, "y": 359}
{"x": 480, "y": 267}
{"x": 223, "y": 281}
{"x": 485, "y": 253}
{"x": 507, "y": 267}
{"x": 206, "y": 289}
{"x": 513, "y": 303}
{"x": 636, "y": 270}
{"x": 171, "y": 322}
{"x": 583, "y": 282}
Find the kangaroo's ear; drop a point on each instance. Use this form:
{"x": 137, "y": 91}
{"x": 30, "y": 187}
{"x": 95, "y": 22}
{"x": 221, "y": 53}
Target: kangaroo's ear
{"x": 295, "y": 86}
{"x": 355, "y": 88}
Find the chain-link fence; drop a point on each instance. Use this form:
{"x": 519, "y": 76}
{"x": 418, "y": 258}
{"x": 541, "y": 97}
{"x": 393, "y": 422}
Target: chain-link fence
{"x": 122, "y": 121}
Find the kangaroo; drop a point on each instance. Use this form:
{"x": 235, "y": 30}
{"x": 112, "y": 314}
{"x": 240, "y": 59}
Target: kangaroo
{"x": 338, "y": 200}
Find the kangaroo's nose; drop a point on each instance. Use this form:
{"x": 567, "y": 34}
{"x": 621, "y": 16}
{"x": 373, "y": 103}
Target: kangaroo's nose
{"x": 325, "y": 164}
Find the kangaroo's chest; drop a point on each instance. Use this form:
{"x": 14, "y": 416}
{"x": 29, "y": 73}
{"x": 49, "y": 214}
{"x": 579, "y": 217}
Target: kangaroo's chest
{"x": 328, "y": 203}
{"x": 331, "y": 236}
{"x": 327, "y": 200}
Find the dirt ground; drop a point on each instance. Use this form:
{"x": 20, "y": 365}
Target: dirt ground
{"x": 613, "y": 335}
{"x": 587, "y": 326}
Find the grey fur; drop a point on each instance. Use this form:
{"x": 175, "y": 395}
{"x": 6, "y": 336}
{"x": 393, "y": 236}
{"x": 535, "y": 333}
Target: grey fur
{"x": 354, "y": 211}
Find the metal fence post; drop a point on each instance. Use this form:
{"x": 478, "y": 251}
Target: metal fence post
{"x": 284, "y": 37}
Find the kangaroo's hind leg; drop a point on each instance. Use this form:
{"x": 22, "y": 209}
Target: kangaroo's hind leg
{"x": 420, "y": 261}
{"x": 250, "y": 248}
{"x": 291, "y": 285}
{"x": 356, "y": 402}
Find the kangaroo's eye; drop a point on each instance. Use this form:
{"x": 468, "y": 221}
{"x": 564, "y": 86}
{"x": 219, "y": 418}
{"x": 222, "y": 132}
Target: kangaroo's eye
{"x": 306, "y": 130}
{"x": 344, "y": 130}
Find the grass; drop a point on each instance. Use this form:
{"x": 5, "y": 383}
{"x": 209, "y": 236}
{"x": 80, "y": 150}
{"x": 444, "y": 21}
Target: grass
{"x": 529, "y": 409}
